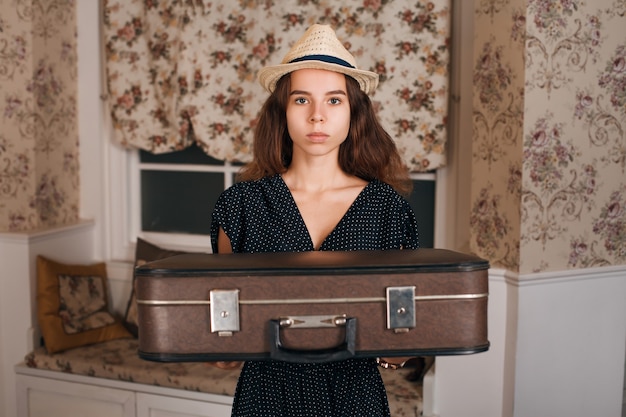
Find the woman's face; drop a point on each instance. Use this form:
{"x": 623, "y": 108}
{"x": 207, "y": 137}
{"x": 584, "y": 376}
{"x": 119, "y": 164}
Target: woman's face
{"x": 318, "y": 112}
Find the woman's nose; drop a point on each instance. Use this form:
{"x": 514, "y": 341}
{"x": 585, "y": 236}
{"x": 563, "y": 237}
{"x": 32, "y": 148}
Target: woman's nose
{"x": 316, "y": 118}
{"x": 316, "y": 115}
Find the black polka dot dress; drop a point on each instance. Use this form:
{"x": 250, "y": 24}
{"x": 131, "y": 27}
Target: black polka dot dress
{"x": 262, "y": 216}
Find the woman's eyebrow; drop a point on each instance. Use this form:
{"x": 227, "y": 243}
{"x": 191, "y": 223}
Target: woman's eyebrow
{"x": 328, "y": 93}
{"x": 299, "y": 92}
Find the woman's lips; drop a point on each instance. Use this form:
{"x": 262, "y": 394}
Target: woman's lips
{"x": 317, "y": 137}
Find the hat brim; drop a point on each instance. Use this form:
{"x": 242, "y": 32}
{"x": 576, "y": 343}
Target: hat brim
{"x": 269, "y": 76}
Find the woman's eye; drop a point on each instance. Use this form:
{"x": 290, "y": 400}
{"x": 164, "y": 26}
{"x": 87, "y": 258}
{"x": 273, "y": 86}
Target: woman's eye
{"x": 335, "y": 100}
{"x": 301, "y": 100}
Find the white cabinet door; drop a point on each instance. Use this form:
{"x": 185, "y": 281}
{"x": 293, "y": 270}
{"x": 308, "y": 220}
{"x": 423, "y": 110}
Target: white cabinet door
{"x": 41, "y": 397}
{"x": 149, "y": 405}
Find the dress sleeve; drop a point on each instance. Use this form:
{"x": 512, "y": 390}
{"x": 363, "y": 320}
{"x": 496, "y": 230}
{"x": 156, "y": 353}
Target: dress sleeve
{"x": 409, "y": 227}
{"x": 227, "y": 214}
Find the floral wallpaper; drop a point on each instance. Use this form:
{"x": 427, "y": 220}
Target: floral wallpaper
{"x": 39, "y": 183}
{"x": 181, "y": 72}
{"x": 549, "y": 152}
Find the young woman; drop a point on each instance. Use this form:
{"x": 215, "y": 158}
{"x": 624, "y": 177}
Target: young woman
{"x": 325, "y": 175}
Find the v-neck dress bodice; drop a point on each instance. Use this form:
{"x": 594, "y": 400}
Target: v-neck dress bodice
{"x": 262, "y": 216}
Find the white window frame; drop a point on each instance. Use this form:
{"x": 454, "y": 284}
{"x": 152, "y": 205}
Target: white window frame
{"x": 181, "y": 241}
{"x": 125, "y": 204}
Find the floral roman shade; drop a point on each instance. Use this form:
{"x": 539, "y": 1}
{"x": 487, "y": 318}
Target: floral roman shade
{"x": 184, "y": 72}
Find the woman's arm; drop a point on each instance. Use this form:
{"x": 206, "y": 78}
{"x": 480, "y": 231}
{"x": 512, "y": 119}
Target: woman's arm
{"x": 223, "y": 242}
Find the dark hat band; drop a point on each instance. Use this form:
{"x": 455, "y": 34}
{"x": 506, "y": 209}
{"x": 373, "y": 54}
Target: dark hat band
{"x": 324, "y": 58}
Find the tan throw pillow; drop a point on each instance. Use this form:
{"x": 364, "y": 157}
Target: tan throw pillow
{"x": 72, "y": 305}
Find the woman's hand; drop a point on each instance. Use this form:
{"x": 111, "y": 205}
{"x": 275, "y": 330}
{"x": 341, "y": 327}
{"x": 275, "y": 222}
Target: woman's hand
{"x": 228, "y": 365}
{"x": 392, "y": 363}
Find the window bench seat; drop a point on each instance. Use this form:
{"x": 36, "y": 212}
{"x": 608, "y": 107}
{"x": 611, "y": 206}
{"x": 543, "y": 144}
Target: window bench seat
{"x": 146, "y": 386}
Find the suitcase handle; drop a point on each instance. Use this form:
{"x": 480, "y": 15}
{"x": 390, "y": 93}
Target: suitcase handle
{"x": 341, "y": 352}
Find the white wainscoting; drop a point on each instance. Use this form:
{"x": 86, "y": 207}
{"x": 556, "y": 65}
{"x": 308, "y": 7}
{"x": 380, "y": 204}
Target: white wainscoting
{"x": 18, "y": 252}
{"x": 558, "y": 346}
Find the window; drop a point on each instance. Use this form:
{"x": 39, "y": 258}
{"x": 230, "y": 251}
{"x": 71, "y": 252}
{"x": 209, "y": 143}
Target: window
{"x": 178, "y": 192}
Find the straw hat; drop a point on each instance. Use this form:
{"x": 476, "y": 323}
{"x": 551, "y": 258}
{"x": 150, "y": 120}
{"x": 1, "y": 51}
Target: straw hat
{"x": 318, "y": 48}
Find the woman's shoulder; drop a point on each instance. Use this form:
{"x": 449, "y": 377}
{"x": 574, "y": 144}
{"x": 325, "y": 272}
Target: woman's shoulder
{"x": 383, "y": 190}
{"x": 250, "y": 188}
{"x": 384, "y": 197}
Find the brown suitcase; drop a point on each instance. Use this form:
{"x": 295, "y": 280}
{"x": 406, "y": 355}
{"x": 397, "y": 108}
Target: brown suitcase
{"x": 312, "y": 306}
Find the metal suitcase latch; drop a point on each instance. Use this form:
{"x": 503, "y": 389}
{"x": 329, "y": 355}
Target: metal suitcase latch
{"x": 400, "y": 308}
{"x": 305, "y": 322}
{"x": 224, "y": 311}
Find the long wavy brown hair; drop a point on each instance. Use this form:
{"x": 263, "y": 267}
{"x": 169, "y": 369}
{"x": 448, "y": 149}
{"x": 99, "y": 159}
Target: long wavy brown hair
{"x": 368, "y": 152}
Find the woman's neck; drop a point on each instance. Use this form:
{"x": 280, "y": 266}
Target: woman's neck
{"x": 315, "y": 176}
